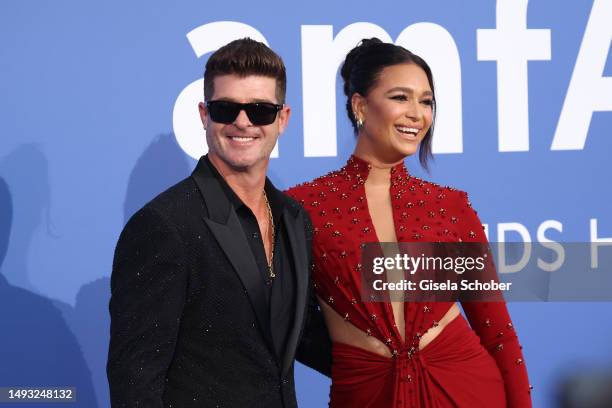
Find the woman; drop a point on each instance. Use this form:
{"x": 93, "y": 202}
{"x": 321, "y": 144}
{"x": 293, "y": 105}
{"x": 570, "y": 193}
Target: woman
{"x": 401, "y": 354}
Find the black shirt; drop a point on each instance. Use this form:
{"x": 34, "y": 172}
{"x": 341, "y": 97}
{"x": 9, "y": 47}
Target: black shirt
{"x": 280, "y": 291}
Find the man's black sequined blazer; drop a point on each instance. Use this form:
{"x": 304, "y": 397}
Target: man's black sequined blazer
{"x": 186, "y": 320}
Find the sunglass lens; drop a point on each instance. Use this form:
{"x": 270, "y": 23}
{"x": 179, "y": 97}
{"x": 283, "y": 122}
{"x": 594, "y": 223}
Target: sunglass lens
{"x": 223, "y": 112}
{"x": 261, "y": 114}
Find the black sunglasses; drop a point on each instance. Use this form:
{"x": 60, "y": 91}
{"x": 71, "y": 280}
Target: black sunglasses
{"x": 259, "y": 113}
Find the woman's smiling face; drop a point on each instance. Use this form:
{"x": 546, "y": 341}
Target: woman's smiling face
{"x": 397, "y": 112}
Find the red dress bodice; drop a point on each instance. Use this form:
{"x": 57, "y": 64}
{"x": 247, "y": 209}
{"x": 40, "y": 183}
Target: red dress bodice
{"x": 422, "y": 212}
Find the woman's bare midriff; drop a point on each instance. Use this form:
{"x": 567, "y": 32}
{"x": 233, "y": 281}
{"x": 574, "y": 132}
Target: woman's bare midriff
{"x": 342, "y": 331}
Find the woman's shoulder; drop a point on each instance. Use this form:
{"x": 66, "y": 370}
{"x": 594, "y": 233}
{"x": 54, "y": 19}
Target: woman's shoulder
{"x": 439, "y": 193}
{"x": 450, "y": 206}
{"x": 310, "y": 189}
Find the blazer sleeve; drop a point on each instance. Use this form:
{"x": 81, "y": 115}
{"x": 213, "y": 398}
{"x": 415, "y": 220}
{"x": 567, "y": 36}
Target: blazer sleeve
{"x": 491, "y": 321}
{"x": 148, "y": 292}
{"x": 314, "y": 349}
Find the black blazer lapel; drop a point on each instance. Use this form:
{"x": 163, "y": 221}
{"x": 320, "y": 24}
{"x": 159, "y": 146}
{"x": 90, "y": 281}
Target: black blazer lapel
{"x": 225, "y": 226}
{"x": 297, "y": 240}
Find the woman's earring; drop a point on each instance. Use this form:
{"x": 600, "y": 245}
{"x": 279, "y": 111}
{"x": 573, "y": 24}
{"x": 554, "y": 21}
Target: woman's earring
{"x": 359, "y": 123}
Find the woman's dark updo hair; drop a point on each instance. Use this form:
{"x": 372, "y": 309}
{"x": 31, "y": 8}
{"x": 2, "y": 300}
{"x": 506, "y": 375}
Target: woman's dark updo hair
{"x": 361, "y": 70}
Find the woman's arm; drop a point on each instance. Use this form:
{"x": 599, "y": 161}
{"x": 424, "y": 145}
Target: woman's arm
{"x": 491, "y": 321}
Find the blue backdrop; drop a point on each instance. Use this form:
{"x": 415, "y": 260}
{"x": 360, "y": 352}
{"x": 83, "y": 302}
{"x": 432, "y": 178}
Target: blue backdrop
{"x": 98, "y": 114}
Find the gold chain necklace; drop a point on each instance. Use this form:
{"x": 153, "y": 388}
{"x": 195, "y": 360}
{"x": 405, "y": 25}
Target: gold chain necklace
{"x": 271, "y": 223}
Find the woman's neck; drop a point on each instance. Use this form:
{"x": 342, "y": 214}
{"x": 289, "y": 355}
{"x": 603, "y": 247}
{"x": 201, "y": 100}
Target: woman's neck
{"x": 379, "y": 176}
{"x": 380, "y": 166}
{"x": 379, "y": 170}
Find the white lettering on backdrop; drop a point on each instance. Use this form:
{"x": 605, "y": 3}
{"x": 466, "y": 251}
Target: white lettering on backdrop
{"x": 510, "y": 44}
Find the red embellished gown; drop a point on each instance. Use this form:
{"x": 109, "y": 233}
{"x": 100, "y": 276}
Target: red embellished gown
{"x": 481, "y": 366}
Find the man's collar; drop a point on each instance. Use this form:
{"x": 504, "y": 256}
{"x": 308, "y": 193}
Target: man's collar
{"x": 276, "y": 198}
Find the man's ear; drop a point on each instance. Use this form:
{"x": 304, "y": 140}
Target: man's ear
{"x": 283, "y": 118}
{"x": 203, "y": 114}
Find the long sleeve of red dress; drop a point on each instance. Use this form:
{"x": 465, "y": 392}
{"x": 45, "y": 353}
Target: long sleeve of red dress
{"x": 491, "y": 321}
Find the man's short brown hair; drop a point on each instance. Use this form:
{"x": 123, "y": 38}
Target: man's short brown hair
{"x": 245, "y": 57}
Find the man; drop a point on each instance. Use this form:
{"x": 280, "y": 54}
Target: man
{"x": 210, "y": 283}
